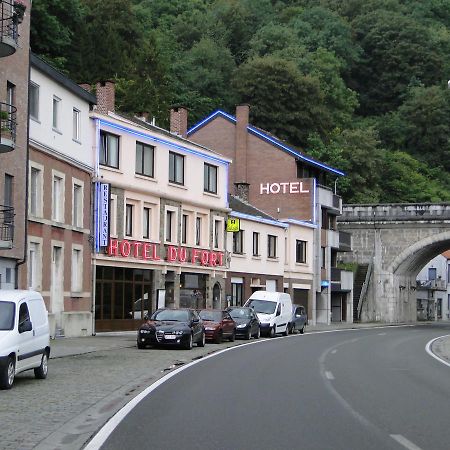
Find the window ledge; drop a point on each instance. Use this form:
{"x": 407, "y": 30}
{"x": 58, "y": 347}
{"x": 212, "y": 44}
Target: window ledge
{"x": 301, "y": 264}
{"x": 257, "y": 257}
{"x": 145, "y": 177}
{"x": 76, "y": 294}
{"x": 77, "y": 141}
{"x": 239, "y": 255}
{"x": 179, "y": 186}
{"x": 273, "y": 258}
{"x": 57, "y": 131}
{"x": 35, "y": 119}
{"x": 110, "y": 169}
{"x": 211, "y": 194}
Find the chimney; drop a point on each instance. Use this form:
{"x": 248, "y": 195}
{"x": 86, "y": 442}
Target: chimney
{"x": 106, "y": 97}
{"x": 178, "y": 121}
{"x": 240, "y": 156}
{"x": 143, "y": 115}
{"x": 241, "y": 190}
{"x": 86, "y": 86}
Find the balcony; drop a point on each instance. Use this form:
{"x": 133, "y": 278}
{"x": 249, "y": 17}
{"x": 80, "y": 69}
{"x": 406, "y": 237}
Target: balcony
{"x": 7, "y": 127}
{"x": 345, "y": 241}
{"x": 341, "y": 280}
{"x": 329, "y": 200}
{"x": 6, "y": 227}
{"x": 432, "y": 285}
{"x": 9, "y": 20}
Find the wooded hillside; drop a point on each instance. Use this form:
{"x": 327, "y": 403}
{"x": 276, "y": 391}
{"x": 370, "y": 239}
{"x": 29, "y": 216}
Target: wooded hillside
{"x": 359, "y": 84}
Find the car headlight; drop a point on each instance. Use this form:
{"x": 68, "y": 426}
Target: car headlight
{"x": 209, "y": 329}
{"x": 178, "y": 332}
{"x": 242, "y": 325}
{"x": 144, "y": 331}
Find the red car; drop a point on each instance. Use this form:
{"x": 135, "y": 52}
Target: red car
{"x": 218, "y": 325}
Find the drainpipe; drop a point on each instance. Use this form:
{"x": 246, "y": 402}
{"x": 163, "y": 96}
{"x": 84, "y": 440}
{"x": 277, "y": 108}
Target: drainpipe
{"x": 27, "y": 164}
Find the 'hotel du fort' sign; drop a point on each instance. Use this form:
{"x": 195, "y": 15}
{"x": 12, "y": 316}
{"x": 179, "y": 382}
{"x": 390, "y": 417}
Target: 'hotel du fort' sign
{"x": 148, "y": 251}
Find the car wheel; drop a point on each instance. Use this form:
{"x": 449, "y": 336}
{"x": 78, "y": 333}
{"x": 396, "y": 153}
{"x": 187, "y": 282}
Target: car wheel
{"x": 302, "y": 330}
{"x": 232, "y": 338}
{"x": 219, "y": 337}
{"x": 286, "y": 331}
{"x": 248, "y": 336}
{"x": 202, "y": 341}
{"x": 258, "y": 334}
{"x": 7, "y": 375}
{"x": 189, "y": 343}
{"x": 42, "y": 371}
{"x": 272, "y": 332}
{"x": 140, "y": 345}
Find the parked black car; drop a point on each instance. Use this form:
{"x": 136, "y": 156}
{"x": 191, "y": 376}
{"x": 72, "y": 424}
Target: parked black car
{"x": 247, "y": 322}
{"x": 299, "y": 319}
{"x": 182, "y": 327}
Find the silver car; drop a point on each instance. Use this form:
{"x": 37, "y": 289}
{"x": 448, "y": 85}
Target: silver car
{"x": 299, "y": 319}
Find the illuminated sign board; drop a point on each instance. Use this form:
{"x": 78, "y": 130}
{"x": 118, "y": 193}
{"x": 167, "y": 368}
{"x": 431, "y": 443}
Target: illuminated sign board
{"x": 101, "y": 213}
{"x": 148, "y": 251}
{"x": 293, "y": 187}
{"x": 233, "y": 225}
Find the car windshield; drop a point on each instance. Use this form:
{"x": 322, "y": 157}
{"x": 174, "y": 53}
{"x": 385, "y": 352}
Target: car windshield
{"x": 6, "y": 316}
{"x": 262, "y": 306}
{"x": 211, "y": 316}
{"x": 240, "y": 313}
{"x": 175, "y": 315}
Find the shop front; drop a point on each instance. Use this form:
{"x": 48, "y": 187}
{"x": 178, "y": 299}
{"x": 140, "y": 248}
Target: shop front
{"x": 133, "y": 279}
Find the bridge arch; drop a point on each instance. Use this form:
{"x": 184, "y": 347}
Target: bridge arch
{"x": 411, "y": 260}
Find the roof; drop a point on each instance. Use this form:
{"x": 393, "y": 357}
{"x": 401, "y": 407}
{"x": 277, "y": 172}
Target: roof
{"x": 62, "y": 79}
{"x": 446, "y": 254}
{"x": 268, "y": 138}
{"x": 15, "y": 295}
{"x": 241, "y": 206}
{"x": 181, "y": 142}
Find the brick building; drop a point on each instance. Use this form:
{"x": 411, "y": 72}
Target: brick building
{"x": 14, "y": 65}
{"x": 288, "y": 185}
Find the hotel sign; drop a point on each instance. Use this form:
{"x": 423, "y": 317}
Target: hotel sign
{"x": 293, "y": 187}
{"x": 148, "y": 251}
{"x": 233, "y": 225}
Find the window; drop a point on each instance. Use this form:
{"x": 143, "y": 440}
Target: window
{"x": 10, "y": 94}
{"x": 198, "y": 230}
{"x": 169, "y": 226}
{"x": 432, "y": 273}
{"x": 34, "y": 257}
{"x": 8, "y": 275}
{"x": 271, "y": 246}
{"x": 56, "y": 106}
{"x": 217, "y": 227}
{"x": 237, "y": 294}
{"x": 146, "y": 223}
{"x": 255, "y": 244}
{"x": 8, "y": 192}
{"x": 184, "y": 228}
{"x": 24, "y": 314}
{"x": 34, "y": 101}
{"x": 323, "y": 257}
{"x": 210, "y": 181}
{"x": 238, "y": 238}
{"x": 76, "y": 124}
{"x": 77, "y": 210}
{"x": 176, "y": 168}
{"x": 109, "y": 150}
{"x": 129, "y": 220}
{"x": 57, "y": 199}
{"x": 300, "y": 251}
{"x": 35, "y": 191}
{"x": 144, "y": 159}
{"x": 77, "y": 270}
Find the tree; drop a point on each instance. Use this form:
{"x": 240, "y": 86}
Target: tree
{"x": 283, "y": 100}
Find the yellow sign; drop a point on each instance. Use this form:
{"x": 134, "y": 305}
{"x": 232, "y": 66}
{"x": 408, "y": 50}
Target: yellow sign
{"x": 233, "y": 225}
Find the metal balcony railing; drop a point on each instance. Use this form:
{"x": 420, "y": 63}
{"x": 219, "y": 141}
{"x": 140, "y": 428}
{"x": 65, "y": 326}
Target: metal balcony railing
{"x": 6, "y": 224}
{"x": 9, "y": 21}
{"x": 8, "y": 126}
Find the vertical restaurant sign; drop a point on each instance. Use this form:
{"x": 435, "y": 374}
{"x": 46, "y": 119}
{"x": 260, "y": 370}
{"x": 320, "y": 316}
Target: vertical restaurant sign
{"x": 102, "y": 191}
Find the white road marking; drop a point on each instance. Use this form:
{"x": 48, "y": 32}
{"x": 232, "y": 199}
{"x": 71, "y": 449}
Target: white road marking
{"x": 428, "y": 349}
{"x": 329, "y": 375}
{"x": 333, "y": 351}
{"x": 381, "y": 334}
{"x": 405, "y": 442}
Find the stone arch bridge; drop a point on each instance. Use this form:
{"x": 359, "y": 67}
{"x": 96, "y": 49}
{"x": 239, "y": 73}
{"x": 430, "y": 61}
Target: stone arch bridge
{"x": 394, "y": 241}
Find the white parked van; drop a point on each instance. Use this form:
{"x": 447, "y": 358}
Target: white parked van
{"x": 274, "y": 310}
{"x": 24, "y": 335}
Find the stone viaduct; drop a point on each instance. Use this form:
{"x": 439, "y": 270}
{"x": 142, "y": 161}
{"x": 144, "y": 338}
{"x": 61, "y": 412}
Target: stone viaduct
{"x": 394, "y": 241}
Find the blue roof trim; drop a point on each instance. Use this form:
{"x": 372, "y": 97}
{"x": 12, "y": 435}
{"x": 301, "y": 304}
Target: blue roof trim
{"x": 267, "y": 138}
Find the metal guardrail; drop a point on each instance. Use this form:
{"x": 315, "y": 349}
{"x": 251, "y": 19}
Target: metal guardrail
{"x": 6, "y": 223}
{"x": 8, "y": 122}
{"x": 364, "y": 289}
{"x": 9, "y": 20}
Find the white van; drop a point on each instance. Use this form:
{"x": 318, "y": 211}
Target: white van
{"x": 24, "y": 335}
{"x": 274, "y": 310}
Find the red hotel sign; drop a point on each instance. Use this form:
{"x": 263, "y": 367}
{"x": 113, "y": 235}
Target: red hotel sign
{"x": 174, "y": 254}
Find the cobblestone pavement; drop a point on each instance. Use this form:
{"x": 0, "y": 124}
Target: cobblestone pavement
{"x": 89, "y": 380}
{"x": 81, "y": 393}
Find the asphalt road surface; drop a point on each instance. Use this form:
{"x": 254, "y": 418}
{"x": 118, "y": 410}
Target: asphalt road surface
{"x": 355, "y": 389}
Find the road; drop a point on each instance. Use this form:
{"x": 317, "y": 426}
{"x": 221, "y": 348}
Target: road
{"x": 355, "y": 389}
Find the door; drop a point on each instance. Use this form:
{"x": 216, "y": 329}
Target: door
{"x": 228, "y": 324}
{"x": 56, "y": 291}
{"x": 26, "y": 350}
